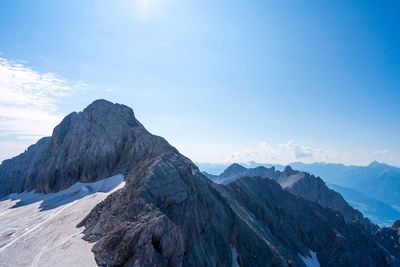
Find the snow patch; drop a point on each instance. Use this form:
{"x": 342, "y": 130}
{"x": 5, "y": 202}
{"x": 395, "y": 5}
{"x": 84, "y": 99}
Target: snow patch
{"x": 40, "y": 229}
{"x": 234, "y": 254}
{"x": 310, "y": 261}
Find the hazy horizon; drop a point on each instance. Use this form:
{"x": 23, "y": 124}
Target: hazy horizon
{"x": 252, "y": 163}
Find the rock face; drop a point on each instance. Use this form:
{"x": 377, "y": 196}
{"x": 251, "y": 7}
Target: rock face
{"x": 170, "y": 214}
{"x": 293, "y": 224}
{"x": 103, "y": 140}
{"x": 396, "y": 224}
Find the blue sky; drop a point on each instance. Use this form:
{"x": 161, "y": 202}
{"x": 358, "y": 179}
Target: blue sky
{"x": 272, "y": 81}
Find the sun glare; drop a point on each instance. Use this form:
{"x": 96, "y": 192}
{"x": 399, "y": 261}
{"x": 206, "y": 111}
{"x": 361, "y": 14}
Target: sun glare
{"x": 145, "y": 8}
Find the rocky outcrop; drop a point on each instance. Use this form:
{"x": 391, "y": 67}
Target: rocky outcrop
{"x": 389, "y": 238}
{"x": 170, "y": 214}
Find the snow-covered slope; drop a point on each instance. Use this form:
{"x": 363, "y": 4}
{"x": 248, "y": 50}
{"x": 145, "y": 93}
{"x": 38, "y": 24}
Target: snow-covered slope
{"x": 311, "y": 261}
{"x": 40, "y": 229}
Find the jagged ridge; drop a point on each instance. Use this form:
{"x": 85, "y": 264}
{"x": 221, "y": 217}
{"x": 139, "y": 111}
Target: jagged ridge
{"x": 301, "y": 184}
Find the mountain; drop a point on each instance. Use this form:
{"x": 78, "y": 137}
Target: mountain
{"x": 301, "y": 184}
{"x": 218, "y": 168}
{"x": 103, "y": 140}
{"x": 303, "y": 222}
{"x": 166, "y": 212}
{"x": 232, "y": 172}
{"x": 371, "y": 189}
{"x": 377, "y": 180}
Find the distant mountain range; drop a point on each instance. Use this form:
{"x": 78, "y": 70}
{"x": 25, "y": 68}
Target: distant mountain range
{"x": 102, "y": 190}
{"x": 218, "y": 168}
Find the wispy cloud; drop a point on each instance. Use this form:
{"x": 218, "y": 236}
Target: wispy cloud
{"x": 385, "y": 155}
{"x": 382, "y": 152}
{"x": 282, "y": 153}
{"x": 28, "y": 103}
{"x": 305, "y": 152}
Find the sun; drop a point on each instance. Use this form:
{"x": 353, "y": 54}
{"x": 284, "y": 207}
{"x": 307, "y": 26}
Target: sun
{"x": 145, "y": 8}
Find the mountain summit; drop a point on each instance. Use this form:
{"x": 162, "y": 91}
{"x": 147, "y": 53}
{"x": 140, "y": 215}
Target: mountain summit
{"x": 168, "y": 213}
{"x": 102, "y": 140}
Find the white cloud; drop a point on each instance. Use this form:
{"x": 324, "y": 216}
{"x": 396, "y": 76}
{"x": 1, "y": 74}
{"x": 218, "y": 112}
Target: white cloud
{"x": 28, "y": 103}
{"x": 23, "y": 87}
{"x": 304, "y": 152}
{"x": 382, "y": 152}
{"x": 282, "y": 153}
{"x": 385, "y": 155}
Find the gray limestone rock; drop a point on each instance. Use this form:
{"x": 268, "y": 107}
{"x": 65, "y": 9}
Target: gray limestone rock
{"x": 103, "y": 140}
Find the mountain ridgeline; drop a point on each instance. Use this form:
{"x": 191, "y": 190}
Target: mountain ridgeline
{"x": 373, "y": 189}
{"x": 299, "y": 183}
{"x": 377, "y": 180}
{"x": 170, "y": 214}
{"x": 103, "y": 140}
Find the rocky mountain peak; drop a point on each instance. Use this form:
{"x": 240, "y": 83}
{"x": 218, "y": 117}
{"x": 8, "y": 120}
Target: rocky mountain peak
{"x": 102, "y": 140}
{"x": 106, "y": 110}
{"x": 288, "y": 171}
{"x": 100, "y": 116}
{"x": 236, "y": 167}
{"x": 232, "y": 171}
{"x": 396, "y": 224}
{"x": 377, "y": 164}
